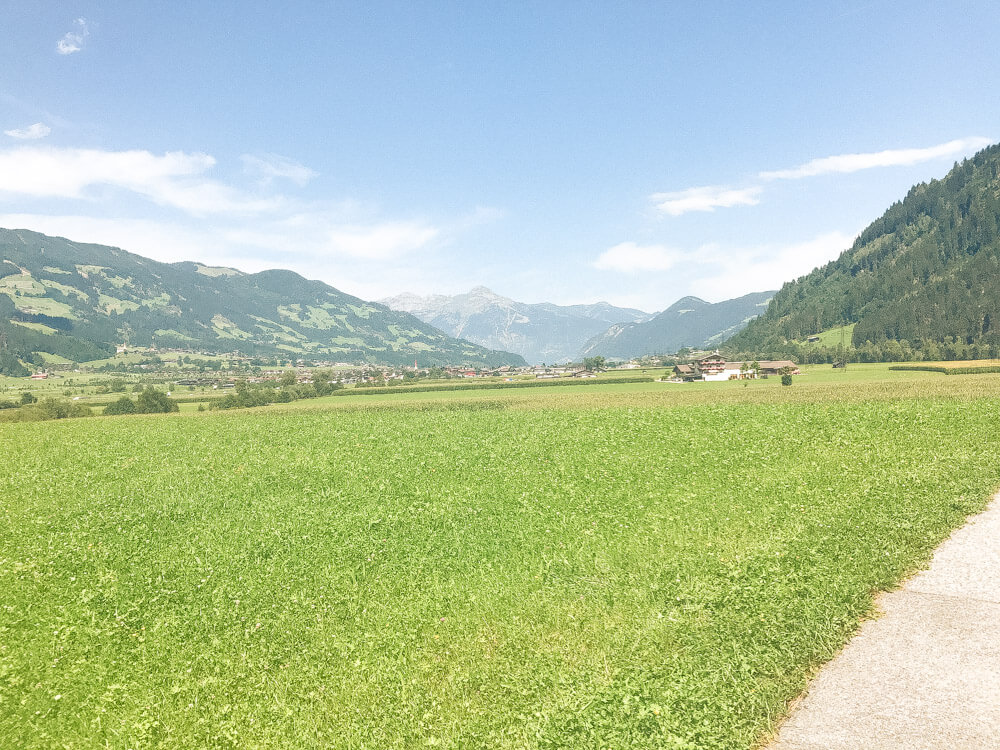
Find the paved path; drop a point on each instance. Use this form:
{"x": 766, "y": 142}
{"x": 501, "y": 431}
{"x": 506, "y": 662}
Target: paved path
{"x": 926, "y": 674}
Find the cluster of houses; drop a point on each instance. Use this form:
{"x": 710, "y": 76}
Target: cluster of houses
{"x": 716, "y": 367}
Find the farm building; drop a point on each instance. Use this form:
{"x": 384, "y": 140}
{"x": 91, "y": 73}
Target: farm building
{"x": 713, "y": 364}
{"x": 775, "y": 367}
{"x": 687, "y": 372}
{"x": 714, "y": 368}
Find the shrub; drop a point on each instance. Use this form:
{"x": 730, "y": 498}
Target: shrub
{"x": 47, "y": 408}
{"x": 124, "y": 405}
{"x": 786, "y": 379}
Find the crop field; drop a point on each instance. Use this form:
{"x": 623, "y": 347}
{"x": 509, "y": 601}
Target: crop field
{"x": 637, "y": 565}
{"x": 956, "y": 364}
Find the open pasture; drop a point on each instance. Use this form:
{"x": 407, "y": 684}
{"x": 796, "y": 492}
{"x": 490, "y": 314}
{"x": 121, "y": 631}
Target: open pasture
{"x": 626, "y": 567}
{"x": 817, "y": 383}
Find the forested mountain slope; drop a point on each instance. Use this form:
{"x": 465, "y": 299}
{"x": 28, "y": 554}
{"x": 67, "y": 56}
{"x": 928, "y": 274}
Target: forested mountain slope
{"x": 925, "y": 277}
{"x": 78, "y": 300}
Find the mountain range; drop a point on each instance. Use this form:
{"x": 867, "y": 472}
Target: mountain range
{"x": 689, "y": 322}
{"x": 924, "y": 278}
{"x": 79, "y": 300}
{"x": 550, "y": 333}
{"x": 541, "y": 332}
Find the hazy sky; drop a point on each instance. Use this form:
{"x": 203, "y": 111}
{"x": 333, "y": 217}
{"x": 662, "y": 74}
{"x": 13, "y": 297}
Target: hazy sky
{"x": 553, "y": 151}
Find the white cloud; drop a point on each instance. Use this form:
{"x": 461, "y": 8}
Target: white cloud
{"x": 267, "y": 167}
{"x": 381, "y": 241}
{"x": 72, "y": 41}
{"x": 705, "y": 199}
{"x": 724, "y": 272}
{"x": 714, "y": 272}
{"x": 168, "y": 242}
{"x": 174, "y": 179}
{"x": 629, "y": 257}
{"x": 260, "y": 245}
{"x": 30, "y": 133}
{"x": 846, "y": 163}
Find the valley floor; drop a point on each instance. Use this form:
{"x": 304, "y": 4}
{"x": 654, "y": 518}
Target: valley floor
{"x": 635, "y": 565}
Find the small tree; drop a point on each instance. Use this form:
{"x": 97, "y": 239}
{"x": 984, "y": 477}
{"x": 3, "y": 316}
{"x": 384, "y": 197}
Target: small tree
{"x": 786, "y": 379}
{"x": 152, "y": 401}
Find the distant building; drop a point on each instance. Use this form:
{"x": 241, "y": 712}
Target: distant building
{"x": 713, "y": 364}
{"x": 715, "y": 368}
{"x": 775, "y": 367}
{"x": 687, "y": 372}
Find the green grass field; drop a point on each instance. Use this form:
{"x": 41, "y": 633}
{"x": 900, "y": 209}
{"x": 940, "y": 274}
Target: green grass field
{"x": 637, "y": 565}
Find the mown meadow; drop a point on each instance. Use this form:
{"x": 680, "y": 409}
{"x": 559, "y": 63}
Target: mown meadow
{"x": 641, "y": 567}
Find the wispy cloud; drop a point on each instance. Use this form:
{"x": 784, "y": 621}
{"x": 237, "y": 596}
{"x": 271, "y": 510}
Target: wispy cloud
{"x": 267, "y": 167}
{"x": 726, "y": 271}
{"x": 259, "y": 223}
{"x": 710, "y": 197}
{"x": 357, "y": 264}
{"x": 628, "y": 257}
{"x": 706, "y": 198}
{"x": 174, "y": 179}
{"x": 381, "y": 241}
{"x": 846, "y": 163}
{"x": 718, "y": 271}
{"x": 30, "y": 133}
{"x": 72, "y": 41}
{"x": 166, "y": 241}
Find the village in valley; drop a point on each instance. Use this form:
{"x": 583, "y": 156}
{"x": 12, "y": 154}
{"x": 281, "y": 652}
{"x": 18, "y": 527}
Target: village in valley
{"x": 222, "y": 370}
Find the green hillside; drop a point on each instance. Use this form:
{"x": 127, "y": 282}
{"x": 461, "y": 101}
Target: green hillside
{"x": 922, "y": 280}
{"x": 78, "y": 301}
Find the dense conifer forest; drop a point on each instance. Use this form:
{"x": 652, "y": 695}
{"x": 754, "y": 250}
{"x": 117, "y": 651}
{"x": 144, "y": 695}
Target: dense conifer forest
{"x": 921, "y": 282}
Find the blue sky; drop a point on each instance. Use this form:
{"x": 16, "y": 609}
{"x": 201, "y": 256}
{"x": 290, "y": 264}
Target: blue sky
{"x": 553, "y": 151}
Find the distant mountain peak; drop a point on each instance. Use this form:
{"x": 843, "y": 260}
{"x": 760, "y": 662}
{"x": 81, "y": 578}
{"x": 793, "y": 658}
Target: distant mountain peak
{"x": 483, "y": 290}
{"x": 687, "y": 303}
